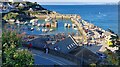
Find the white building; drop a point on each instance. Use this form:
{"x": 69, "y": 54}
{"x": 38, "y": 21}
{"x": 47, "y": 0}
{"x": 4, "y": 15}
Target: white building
{"x": 16, "y": 0}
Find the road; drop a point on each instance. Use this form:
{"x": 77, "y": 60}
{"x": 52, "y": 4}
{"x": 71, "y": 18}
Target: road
{"x": 48, "y": 59}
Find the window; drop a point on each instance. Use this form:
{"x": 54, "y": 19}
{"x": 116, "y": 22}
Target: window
{"x": 72, "y": 45}
{"x": 55, "y": 48}
{"x": 68, "y": 48}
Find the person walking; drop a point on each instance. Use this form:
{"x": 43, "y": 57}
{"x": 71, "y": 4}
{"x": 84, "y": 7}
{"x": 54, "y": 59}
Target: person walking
{"x": 29, "y": 46}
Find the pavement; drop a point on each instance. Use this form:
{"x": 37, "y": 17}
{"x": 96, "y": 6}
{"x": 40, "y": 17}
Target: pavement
{"x": 40, "y": 58}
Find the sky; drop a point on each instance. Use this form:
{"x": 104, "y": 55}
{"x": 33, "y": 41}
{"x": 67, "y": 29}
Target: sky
{"x": 107, "y": 1}
{"x": 74, "y": 2}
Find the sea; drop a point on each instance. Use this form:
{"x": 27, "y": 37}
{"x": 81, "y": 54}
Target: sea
{"x": 103, "y": 16}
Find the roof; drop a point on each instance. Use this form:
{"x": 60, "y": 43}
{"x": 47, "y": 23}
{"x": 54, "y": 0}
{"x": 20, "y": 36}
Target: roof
{"x": 86, "y": 54}
{"x": 39, "y": 42}
{"x": 65, "y": 45}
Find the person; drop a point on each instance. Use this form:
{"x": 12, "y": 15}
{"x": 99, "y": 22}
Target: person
{"x": 29, "y": 46}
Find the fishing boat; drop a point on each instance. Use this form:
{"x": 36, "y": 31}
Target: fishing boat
{"x": 65, "y": 25}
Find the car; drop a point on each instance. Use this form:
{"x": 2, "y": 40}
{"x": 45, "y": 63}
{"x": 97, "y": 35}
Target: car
{"x": 101, "y": 55}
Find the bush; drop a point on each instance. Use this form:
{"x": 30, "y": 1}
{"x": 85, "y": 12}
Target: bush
{"x": 12, "y": 53}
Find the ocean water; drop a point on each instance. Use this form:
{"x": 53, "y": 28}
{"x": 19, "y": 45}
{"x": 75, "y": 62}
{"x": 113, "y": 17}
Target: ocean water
{"x": 104, "y": 16}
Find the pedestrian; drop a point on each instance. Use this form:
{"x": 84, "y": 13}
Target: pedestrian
{"x": 29, "y": 46}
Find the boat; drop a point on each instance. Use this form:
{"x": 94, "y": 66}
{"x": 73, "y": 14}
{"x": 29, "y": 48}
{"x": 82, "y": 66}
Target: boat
{"x": 32, "y": 29}
{"x": 17, "y": 22}
{"x": 26, "y": 23}
{"x": 48, "y": 24}
{"x": 44, "y": 30}
{"x": 43, "y": 25}
{"x": 51, "y": 30}
{"x": 48, "y": 19}
{"x": 73, "y": 25}
{"x": 65, "y": 25}
{"x": 38, "y": 29}
{"x": 39, "y": 25}
{"x": 75, "y": 28}
{"x": 69, "y": 25}
{"x": 34, "y": 24}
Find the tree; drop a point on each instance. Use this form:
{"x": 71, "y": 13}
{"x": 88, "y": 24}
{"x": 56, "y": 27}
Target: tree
{"x": 116, "y": 43}
{"x": 13, "y": 55}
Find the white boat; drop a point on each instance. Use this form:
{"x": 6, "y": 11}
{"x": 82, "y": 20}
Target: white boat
{"x": 75, "y": 28}
{"x": 17, "y": 21}
{"x": 46, "y": 30}
{"x": 65, "y": 25}
{"x": 51, "y": 30}
{"x": 48, "y": 19}
{"x": 31, "y": 21}
{"x": 32, "y": 29}
{"x": 39, "y": 25}
{"x": 26, "y": 23}
{"x": 42, "y": 25}
{"x": 38, "y": 29}
{"x": 43, "y": 30}
{"x": 73, "y": 25}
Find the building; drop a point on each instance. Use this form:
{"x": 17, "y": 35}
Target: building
{"x": 65, "y": 46}
{"x": 85, "y": 54}
{"x": 16, "y": 0}
{"x": 39, "y": 42}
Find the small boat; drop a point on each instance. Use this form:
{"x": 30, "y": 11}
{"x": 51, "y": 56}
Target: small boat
{"x": 26, "y": 23}
{"x": 17, "y": 22}
{"x": 46, "y": 30}
{"x": 32, "y": 29}
{"x": 75, "y": 28}
{"x": 38, "y": 29}
{"x": 38, "y": 25}
{"x": 43, "y": 30}
{"x": 69, "y": 25}
{"x": 73, "y": 25}
{"x": 43, "y": 25}
{"x": 34, "y": 24}
{"x": 65, "y": 25}
{"x": 51, "y": 30}
{"x": 48, "y": 19}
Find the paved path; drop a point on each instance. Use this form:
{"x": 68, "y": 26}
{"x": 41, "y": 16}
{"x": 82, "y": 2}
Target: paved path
{"x": 48, "y": 59}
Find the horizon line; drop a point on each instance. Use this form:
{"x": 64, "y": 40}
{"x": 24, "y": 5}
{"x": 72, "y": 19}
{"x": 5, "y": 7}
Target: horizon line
{"x": 77, "y": 3}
